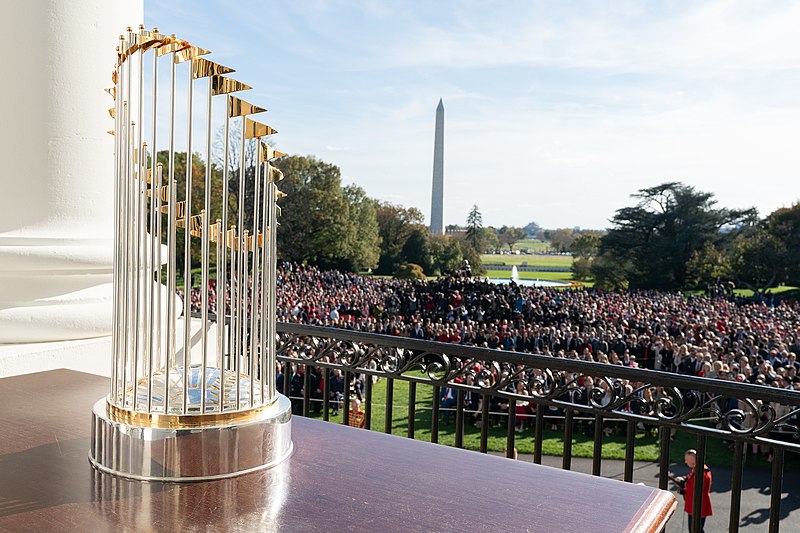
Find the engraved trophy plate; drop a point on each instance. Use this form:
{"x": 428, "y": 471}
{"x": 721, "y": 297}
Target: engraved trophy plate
{"x": 193, "y": 388}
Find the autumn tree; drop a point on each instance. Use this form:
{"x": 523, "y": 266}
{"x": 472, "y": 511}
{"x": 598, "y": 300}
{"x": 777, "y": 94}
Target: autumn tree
{"x": 509, "y": 236}
{"x": 560, "y": 239}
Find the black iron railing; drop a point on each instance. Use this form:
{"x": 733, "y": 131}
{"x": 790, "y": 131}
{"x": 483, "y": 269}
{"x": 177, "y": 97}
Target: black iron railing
{"x": 737, "y": 412}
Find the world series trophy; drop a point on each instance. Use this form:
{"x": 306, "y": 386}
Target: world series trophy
{"x": 193, "y": 387}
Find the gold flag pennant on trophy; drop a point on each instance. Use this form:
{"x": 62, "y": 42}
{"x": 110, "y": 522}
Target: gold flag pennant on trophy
{"x": 203, "y": 68}
{"x": 268, "y": 153}
{"x": 240, "y": 108}
{"x": 222, "y": 85}
{"x": 275, "y": 174}
{"x": 255, "y": 129}
{"x": 189, "y": 52}
{"x": 171, "y": 44}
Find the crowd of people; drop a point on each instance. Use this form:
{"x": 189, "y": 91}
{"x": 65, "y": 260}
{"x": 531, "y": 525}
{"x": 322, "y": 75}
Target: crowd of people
{"x": 716, "y": 336}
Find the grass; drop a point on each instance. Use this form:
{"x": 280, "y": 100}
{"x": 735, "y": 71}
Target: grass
{"x": 774, "y": 290}
{"x": 534, "y": 245}
{"x": 549, "y": 276}
{"x": 564, "y": 261}
{"x": 646, "y": 448}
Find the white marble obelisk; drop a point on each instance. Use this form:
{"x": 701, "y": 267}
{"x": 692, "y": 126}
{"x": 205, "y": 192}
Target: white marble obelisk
{"x": 437, "y": 196}
{"x": 56, "y": 220}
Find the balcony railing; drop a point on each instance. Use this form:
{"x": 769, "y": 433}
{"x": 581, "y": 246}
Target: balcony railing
{"x": 737, "y": 412}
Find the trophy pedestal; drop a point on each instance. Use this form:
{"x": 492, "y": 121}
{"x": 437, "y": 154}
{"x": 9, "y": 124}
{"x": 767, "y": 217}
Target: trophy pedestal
{"x": 180, "y": 448}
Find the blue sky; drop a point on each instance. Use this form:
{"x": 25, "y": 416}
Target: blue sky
{"x": 555, "y": 111}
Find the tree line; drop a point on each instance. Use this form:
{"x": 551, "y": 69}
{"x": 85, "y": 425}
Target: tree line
{"x": 676, "y": 237}
{"x": 334, "y": 226}
{"x": 324, "y": 222}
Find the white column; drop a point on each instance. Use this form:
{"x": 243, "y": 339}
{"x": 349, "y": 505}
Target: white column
{"x": 56, "y": 167}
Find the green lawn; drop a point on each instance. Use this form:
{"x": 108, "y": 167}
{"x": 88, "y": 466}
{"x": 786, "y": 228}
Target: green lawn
{"x": 534, "y": 260}
{"x": 506, "y": 274}
{"x": 774, "y": 290}
{"x": 534, "y": 245}
{"x": 646, "y": 448}
{"x": 549, "y": 276}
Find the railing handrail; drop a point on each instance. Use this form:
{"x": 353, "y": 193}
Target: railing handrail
{"x": 654, "y": 377}
{"x": 734, "y": 412}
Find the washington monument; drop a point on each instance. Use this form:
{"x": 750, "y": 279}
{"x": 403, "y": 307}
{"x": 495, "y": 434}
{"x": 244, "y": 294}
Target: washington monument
{"x": 437, "y": 196}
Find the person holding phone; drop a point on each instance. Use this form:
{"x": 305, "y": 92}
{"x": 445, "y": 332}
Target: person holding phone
{"x": 686, "y": 484}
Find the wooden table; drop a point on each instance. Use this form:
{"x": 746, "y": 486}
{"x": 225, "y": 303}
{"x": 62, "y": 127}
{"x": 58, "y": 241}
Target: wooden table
{"x": 338, "y": 479}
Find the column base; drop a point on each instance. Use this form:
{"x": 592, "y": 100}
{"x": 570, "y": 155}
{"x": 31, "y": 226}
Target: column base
{"x": 86, "y": 355}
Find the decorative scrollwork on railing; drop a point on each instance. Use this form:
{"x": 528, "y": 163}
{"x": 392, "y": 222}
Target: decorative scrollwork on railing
{"x": 651, "y": 397}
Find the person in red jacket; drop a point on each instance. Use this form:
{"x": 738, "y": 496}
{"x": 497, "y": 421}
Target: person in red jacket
{"x": 686, "y": 483}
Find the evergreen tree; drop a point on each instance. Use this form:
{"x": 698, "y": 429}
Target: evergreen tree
{"x": 652, "y": 243}
{"x": 474, "y": 237}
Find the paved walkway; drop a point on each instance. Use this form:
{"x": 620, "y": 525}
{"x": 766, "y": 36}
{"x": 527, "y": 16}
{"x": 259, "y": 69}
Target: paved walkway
{"x": 754, "y": 514}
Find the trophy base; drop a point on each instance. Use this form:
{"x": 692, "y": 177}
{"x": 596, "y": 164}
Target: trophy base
{"x": 190, "y": 448}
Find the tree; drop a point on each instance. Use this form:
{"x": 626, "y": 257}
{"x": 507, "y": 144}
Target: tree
{"x": 445, "y": 254}
{"x": 363, "y": 238}
{"x": 584, "y": 248}
{"x": 766, "y": 253}
{"x": 395, "y": 225}
{"x": 784, "y": 225}
{"x": 491, "y": 238}
{"x": 475, "y": 235}
{"x": 651, "y": 243}
{"x": 313, "y": 213}
{"x": 321, "y": 222}
{"x": 509, "y": 236}
{"x": 417, "y": 250}
{"x": 234, "y": 161}
{"x": 706, "y": 266}
{"x": 609, "y": 274}
{"x": 474, "y": 259}
{"x": 586, "y": 244}
{"x": 758, "y": 258}
{"x": 409, "y": 271}
{"x": 198, "y": 180}
{"x": 560, "y": 239}
{"x": 581, "y": 268}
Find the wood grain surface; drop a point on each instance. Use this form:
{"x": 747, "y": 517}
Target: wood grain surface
{"x": 339, "y": 479}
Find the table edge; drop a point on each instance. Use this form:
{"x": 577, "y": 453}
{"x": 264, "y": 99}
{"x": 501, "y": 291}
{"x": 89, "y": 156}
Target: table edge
{"x": 660, "y": 501}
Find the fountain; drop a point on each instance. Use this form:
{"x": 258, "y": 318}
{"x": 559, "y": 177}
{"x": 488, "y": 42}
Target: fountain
{"x": 528, "y": 282}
